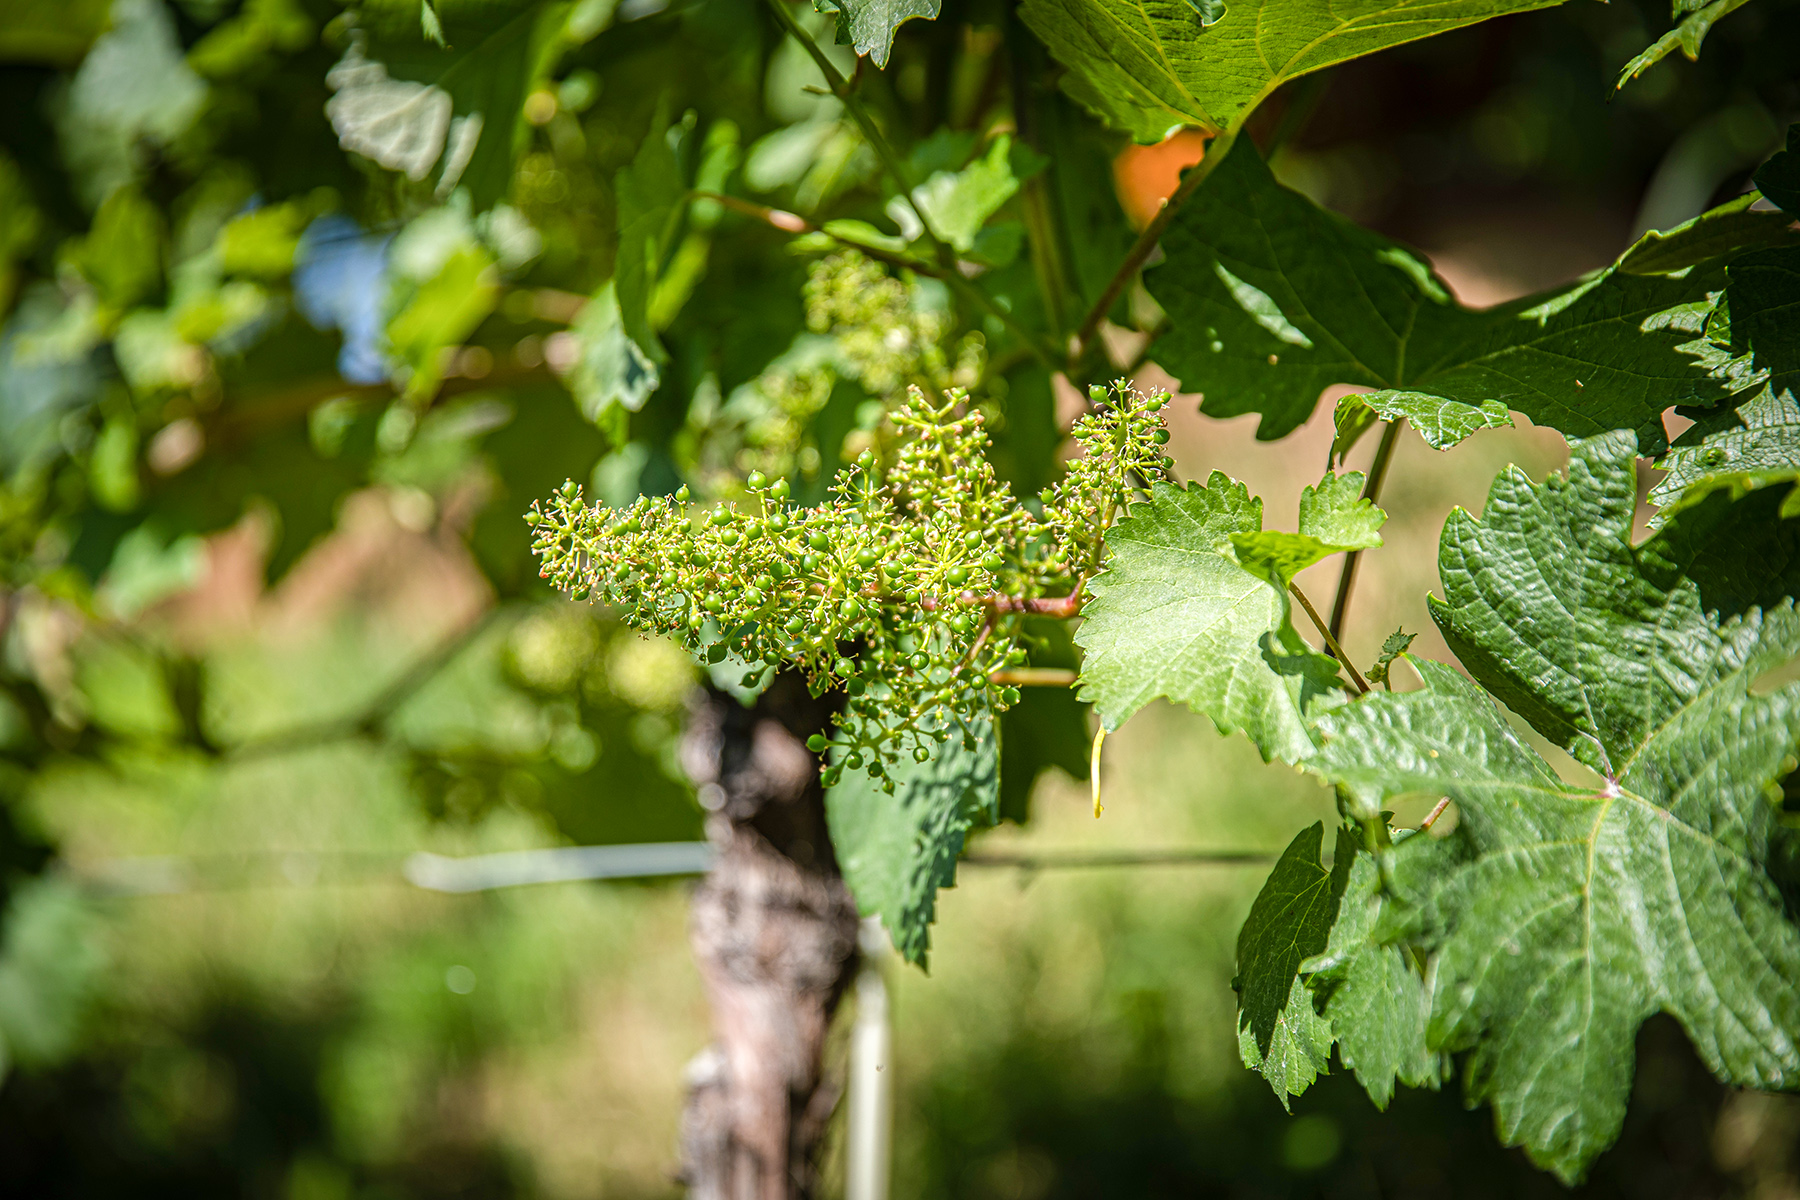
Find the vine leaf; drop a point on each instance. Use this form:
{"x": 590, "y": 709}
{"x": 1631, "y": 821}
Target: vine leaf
{"x": 1779, "y": 178}
{"x": 1764, "y": 299}
{"x": 651, "y": 193}
{"x": 1687, "y": 36}
{"x": 1272, "y": 299}
{"x": 1755, "y": 444}
{"x": 897, "y": 850}
{"x": 1595, "y": 642}
{"x": 415, "y": 107}
{"x": 869, "y": 25}
{"x": 1586, "y": 910}
{"x": 1375, "y": 998}
{"x": 1442, "y": 423}
{"x": 1280, "y": 1034}
{"x": 1334, "y": 517}
{"x": 1151, "y": 66}
{"x": 1176, "y": 614}
{"x": 1392, "y": 647}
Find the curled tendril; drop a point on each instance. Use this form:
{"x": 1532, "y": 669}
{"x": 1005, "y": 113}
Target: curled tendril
{"x": 907, "y": 587}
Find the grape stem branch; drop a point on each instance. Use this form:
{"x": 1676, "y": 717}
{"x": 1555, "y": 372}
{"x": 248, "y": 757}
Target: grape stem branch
{"x": 1384, "y": 454}
{"x": 1331, "y": 642}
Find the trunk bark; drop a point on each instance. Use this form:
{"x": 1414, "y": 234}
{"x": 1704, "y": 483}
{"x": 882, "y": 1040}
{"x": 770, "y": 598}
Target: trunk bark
{"x": 774, "y": 934}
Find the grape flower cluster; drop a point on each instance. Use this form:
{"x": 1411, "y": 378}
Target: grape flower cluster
{"x": 907, "y": 587}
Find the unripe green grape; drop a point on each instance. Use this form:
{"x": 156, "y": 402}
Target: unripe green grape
{"x": 854, "y": 761}
{"x": 1160, "y": 437}
{"x": 750, "y": 679}
{"x": 1009, "y": 696}
{"x": 681, "y": 494}
{"x": 715, "y": 653}
{"x": 779, "y": 489}
{"x": 763, "y": 582}
{"x": 696, "y": 619}
{"x": 867, "y": 558}
{"x": 819, "y": 540}
{"x": 778, "y": 521}
{"x": 755, "y": 480}
{"x": 992, "y": 562}
{"x": 865, "y": 460}
{"x": 920, "y": 661}
{"x": 856, "y": 687}
{"x": 809, "y": 563}
{"x": 957, "y": 576}
{"x": 817, "y": 743}
{"x": 712, "y": 604}
{"x": 850, "y": 609}
{"x": 533, "y": 516}
{"x": 753, "y": 597}
{"x": 844, "y": 667}
{"x": 721, "y": 517}
{"x": 730, "y": 537}
{"x": 921, "y": 754}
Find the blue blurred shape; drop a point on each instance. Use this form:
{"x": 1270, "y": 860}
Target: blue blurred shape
{"x": 340, "y": 282}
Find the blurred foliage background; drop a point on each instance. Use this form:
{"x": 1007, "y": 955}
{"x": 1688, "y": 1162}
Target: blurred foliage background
{"x": 269, "y": 414}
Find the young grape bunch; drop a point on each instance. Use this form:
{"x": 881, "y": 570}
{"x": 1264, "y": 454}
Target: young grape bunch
{"x": 907, "y": 587}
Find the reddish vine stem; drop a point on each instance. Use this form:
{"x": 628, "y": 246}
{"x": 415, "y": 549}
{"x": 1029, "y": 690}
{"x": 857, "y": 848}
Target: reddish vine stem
{"x": 1435, "y": 813}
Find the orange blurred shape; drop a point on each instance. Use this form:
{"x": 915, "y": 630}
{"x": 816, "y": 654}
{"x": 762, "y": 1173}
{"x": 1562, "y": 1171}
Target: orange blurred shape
{"x": 1148, "y": 175}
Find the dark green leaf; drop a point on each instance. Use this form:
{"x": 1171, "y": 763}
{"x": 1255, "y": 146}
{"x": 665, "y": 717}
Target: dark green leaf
{"x": 1279, "y": 1033}
{"x": 898, "y": 849}
{"x": 1779, "y": 178}
{"x": 1272, "y": 299}
{"x": 1151, "y": 66}
{"x": 651, "y": 193}
{"x": 1764, "y": 296}
{"x": 1752, "y": 445}
{"x": 1586, "y": 910}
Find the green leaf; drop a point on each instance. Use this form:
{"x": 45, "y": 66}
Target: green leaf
{"x": 1272, "y": 299}
{"x": 956, "y": 204}
{"x": 1442, "y": 423}
{"x": 1550, "y": 606}
{"x": 1764, "y": 297}
{"x": 869, "y": 25}
{"x": 1587, "y": 910}
{"x": 1779, "y": 178}
{"x": 1688, "y": 35}
{"x": 1752, "y": 445}
{"x": 1334, "y": 518}
{"x": 415, "y": 107}
{"x": 1279, "y": 1033}
{"x": 898, "y": 849}
{"x": 1176, "y": 615}
{"x": 651, "y": 194}
{"x": 1392, "y": 647}
{"x": 1151, "y": 66}
{"x": 1376, "y": 1000}
{"x": 445, "y": 285}
{"x": 1728, "y": 229}
{"x": 609, "y": 368}
{"x": 122, "y": 254}
{"x": 1047, "y": 728}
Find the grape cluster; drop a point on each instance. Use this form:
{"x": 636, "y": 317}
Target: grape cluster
{"x": 907, "y": 587}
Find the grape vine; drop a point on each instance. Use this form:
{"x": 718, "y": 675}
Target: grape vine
{"x": 907, "y": 588}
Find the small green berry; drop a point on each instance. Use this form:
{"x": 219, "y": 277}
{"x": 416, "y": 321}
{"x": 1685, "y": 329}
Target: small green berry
{"x": 1009, "y": 696}
{"x": 921, "y": 754}
{"x": 867, "y": 558}
{"x": 957, "y": 576}
{"x": 755, "y": 481}
{"x": 779, "y": 489}
{"x": 681, "y": 493}
{"x": 819, "y": 540}
{"x": 844, "y": 667}
{"x": 817, "y": 743}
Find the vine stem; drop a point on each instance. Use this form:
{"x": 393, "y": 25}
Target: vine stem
{"x": 1384, "y": 454}
{"x": 1331, "y": 642}
{"x": 1035, "y": 676}
{"x": 951, "y": 273}
{"x": 1216, "y": 150}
